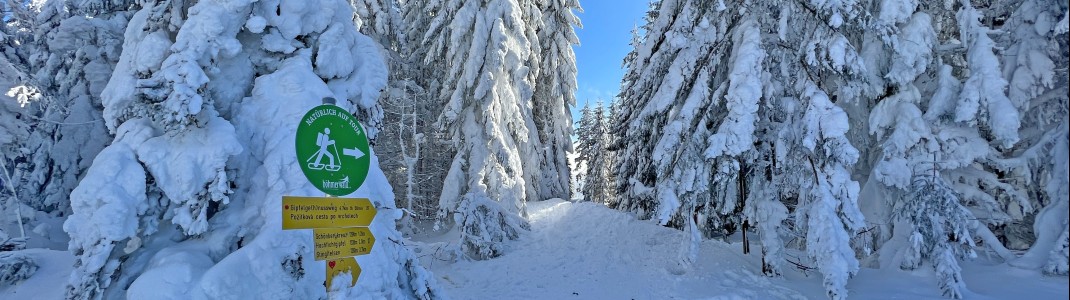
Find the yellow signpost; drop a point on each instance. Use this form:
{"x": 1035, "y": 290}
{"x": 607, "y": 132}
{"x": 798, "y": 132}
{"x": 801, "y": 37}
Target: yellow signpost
{"x": 334, "y": 243}
{"x": 339, "y": 229}
{"x": 325, "y": 212}
{"x": 329, "y": 161}
{"x": 336, "y": 266}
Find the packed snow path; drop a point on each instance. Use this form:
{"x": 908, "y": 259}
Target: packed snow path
{"x": 587, "y": 251}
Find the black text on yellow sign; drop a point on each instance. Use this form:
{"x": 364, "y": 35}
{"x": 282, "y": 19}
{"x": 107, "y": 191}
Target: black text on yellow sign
{"x": 346, "y": 264}
{"x": 325, "y": 212}
{"x": 342, "y": 242}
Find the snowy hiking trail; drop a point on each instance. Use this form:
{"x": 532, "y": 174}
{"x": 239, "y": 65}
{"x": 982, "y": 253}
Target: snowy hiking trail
{"x": 587, "y": 251}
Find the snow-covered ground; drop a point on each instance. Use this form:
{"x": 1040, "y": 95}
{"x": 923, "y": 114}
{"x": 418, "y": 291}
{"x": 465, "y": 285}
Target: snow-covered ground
{"x": 49, "y": 282}
{"x": 587, "y": 251}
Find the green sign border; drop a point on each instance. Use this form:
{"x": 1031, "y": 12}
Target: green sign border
{"x": 325, "y": 142}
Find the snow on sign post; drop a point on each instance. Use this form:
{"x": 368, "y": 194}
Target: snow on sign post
{"x": 332, "y": 150}
{"x": 336, "y": 266}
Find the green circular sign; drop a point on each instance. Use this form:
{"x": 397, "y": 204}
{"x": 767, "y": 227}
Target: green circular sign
{"x": 332, "y": 149}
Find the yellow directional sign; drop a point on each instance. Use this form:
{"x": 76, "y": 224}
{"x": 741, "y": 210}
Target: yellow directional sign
{"x": 325, "y": 212}
{"x": 342, "y": 242}
{"x": 347, "y": 264}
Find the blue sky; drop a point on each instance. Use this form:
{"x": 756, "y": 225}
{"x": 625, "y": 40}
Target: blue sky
{"x": 607, "y": 26}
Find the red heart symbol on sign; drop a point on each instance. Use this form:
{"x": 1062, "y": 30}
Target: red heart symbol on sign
{"x": 331, "y": 264}
{"x": 286, "y": 207}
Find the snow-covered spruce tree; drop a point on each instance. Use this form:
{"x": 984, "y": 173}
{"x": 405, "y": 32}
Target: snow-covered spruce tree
{"x": 814, "y": 67}
{"x": 764, "y": 209}
{"x": 1058, "y": 260}
{"x": 585, "y": 132}
{"x": 688, "y": 133}
{"x": 1034, "y": 64}
{"x": 940, "y": 230}
{"x": 554, "y": 95}
{"x": 591, "y": 151}
{"x": 57, "y": 56}
{"x": 144, "y": 225}
{"x": 149, "y": 124}
{"x": 398, "y": 104}
{"x": 598, "y": 185}
{"x": 16, "y": 128}
{"x": 584, "y": 136}
{"x": 79, "y": 45}
{"x": 928, "y": 218}
{"x": 959, "y": 134}
{"x": 483, "y": 48}
{"x": 985, "y": 115}
{"x": 412, "y": 108}
{"x": 415, "y": 156}
{"x": 634, "y": 170}
{"x": 530, "y": 149}
{"x": 583, "y": 151}
{"x": 609, "y": 161}
{"x": 826, "y": 213}
{"x": 684, "y": 102}
{"x": 404, "y": 146}
{"x": 617, "y": 129}
{"x": 380, "y": 20}
{"x": 930, "y": 222}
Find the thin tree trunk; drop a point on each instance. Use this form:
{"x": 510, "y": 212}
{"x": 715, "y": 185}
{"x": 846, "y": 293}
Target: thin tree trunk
{"x": 14, "y": 195}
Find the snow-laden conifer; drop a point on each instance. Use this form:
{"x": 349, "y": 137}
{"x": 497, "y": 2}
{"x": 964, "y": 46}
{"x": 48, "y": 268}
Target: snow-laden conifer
{"x": 554, "y": 95}
{"x": 484, "y": 50}
{"x": 714, "y": 113}
{"x": 220, "y": 86}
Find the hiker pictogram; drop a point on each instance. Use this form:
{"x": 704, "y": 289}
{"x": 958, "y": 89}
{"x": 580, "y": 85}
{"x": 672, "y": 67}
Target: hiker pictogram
{"x": 329, "y": 149}
{"x": 326, "y": 145}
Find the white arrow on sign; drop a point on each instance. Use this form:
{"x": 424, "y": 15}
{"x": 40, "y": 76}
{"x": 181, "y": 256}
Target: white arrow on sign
{"x": 355, "y": 153}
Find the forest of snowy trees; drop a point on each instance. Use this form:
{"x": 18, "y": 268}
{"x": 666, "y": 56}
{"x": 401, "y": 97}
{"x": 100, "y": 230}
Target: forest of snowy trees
{"x": 157, "y": 132}
{"x": 885, "y": 134}
{"x": 843, "y": 134}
